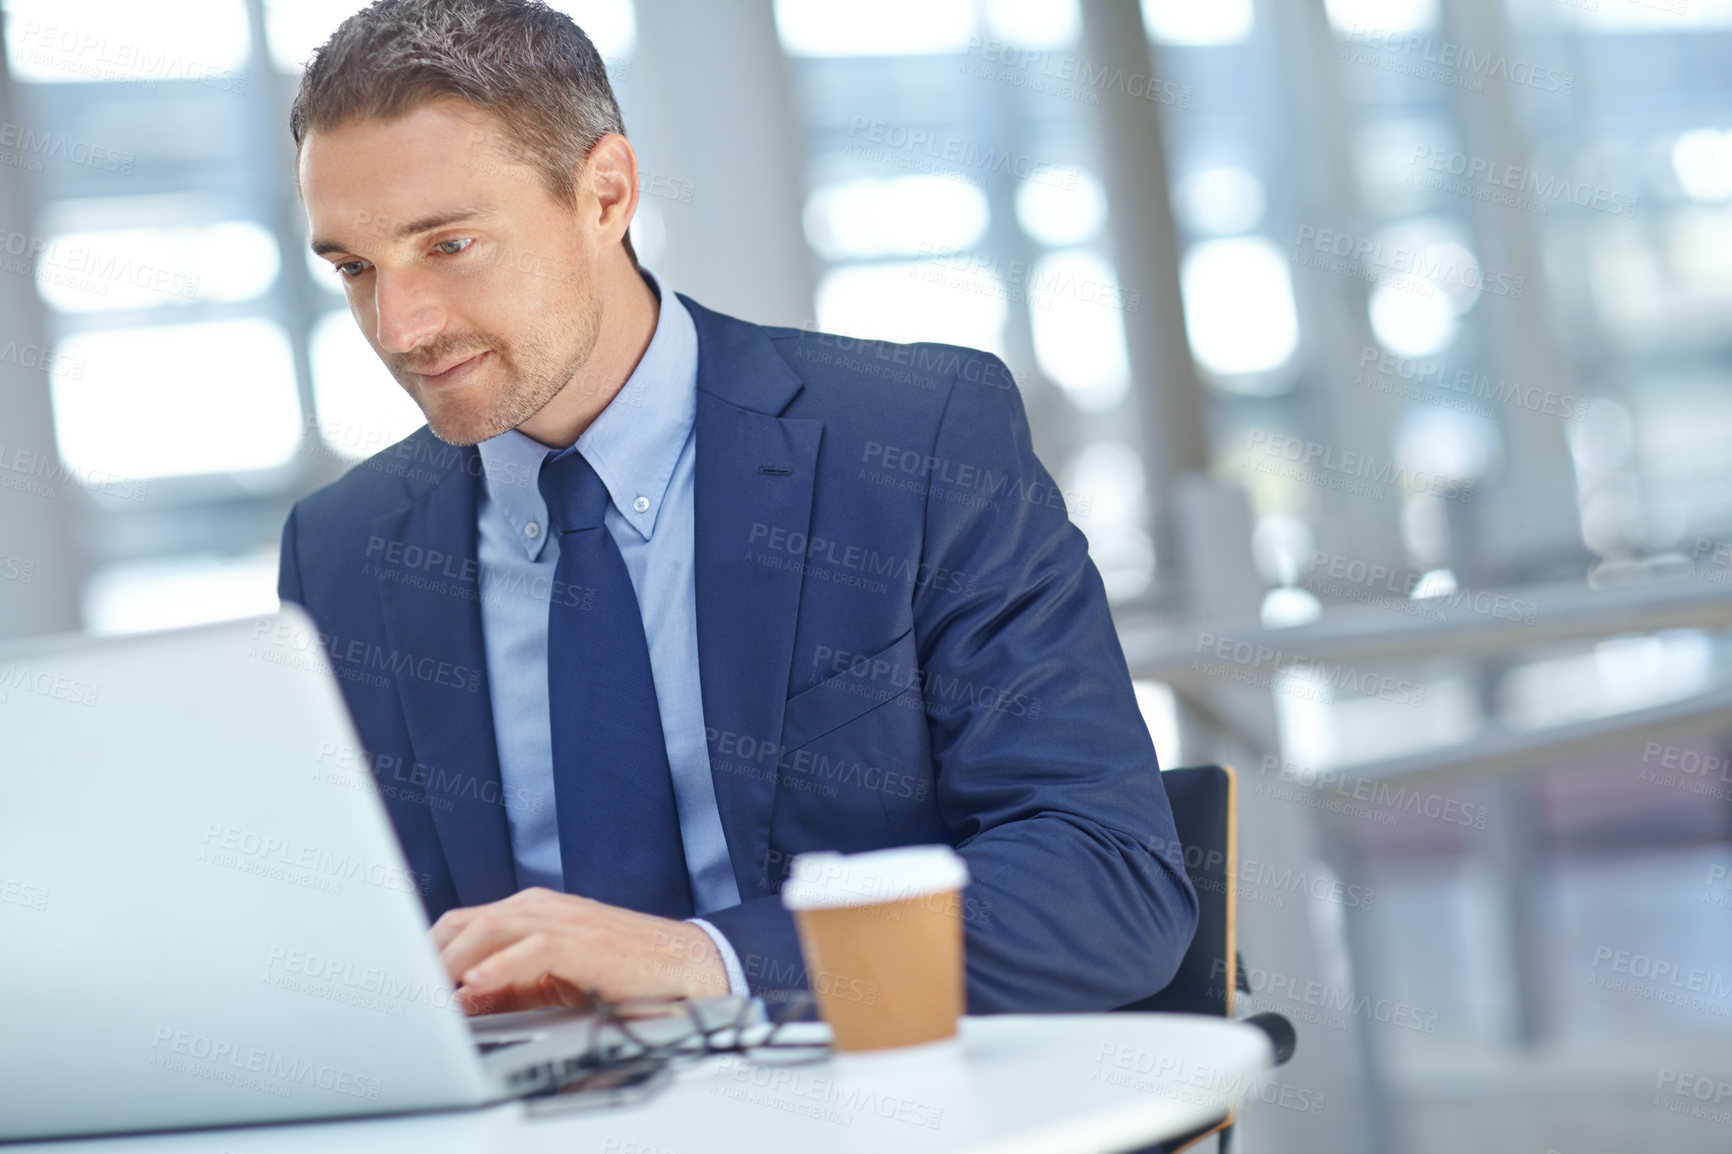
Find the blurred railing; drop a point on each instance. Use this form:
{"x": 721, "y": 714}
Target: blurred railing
{"x": 1563, "y": 613}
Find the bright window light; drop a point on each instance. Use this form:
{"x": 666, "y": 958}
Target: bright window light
{"x": 205, "y": 41}
{"x": 1286, "y": 606}
{"x": 1643, "y": 668}
{"x": 145, "y": 267}
{"x": 1038, "y": 25}
{"x": 939, "y": 300}
{"x": 1079, "y": 337}
{"x": 1392, "y": 16}
{"x": 1239, "y": 312}
{"x": 1198, "y": 22}
{"x": 1056, "y": 215}
{"x": 177, "y": 399}
{"x": 649, "y": 233}
{"x": 1388, "y": 157}
{"x": 1605, "y": 437}
{"x": 1160, "y": 710}
{"x": 1125, "y": 559}
{"x": 1305, "y": 721}
{"x": 1424, "y": 528}
{"x": 875, "y": 27}
{"x": 296, "y": 28}
{"x": 1106, "y": 494}
{"x": 1433, "y": 583}
{"x": 1447, "y": 442}
{"x": 1429, "y": 277}
{"x": 1626, "y": 16}
{"x": 1410, "y": 323}
{"x": 236, "y": 260}
{"x": 171, "y": 594}
{"x": 1454, "y": 270}
{"x": 1223, "y": 200}
{"x": 1620, "y": 673}
{"x": 1106, "y": 478}
{"x": 361, "y": 408}
{"x": 1702, "y": 160}
{"x": 1282, "y": 548}
{"x": 1431, "y": 252}
{"x": 899, "y": 216}
{"x": 611, "y": 25}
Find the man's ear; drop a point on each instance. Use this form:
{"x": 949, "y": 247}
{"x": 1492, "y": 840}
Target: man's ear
{"x": 609, "y": 174}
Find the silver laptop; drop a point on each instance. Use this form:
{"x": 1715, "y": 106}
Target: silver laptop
{"x": 205, "y": 916}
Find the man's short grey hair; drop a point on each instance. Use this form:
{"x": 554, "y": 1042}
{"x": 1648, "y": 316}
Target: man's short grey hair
{"x": 529, "y": 65}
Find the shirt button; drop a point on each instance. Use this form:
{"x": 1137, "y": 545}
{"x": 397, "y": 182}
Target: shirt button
{"x": 532, "y": 530}
{"x": 641, "y": 504}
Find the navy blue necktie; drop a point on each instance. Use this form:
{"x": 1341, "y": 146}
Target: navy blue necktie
{"x": 619, "y": 830}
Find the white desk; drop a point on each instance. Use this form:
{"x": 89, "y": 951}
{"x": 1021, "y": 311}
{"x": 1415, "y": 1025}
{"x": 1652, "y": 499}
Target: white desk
{"x": 1035, "y": 1084}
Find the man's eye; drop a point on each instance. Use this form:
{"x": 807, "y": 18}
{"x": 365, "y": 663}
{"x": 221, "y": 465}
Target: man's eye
{"x": 352, "y": 268}
{"x": 461, "y": 242}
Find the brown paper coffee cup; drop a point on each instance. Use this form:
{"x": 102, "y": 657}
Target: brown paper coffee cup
{"x": 881, "y": 934}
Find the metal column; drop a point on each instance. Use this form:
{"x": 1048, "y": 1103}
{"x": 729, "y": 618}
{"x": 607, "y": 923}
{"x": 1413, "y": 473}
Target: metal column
{"x": 1170, "y": 402}
{"x": 38, "y": 532}
{"x": 709, "y": 106}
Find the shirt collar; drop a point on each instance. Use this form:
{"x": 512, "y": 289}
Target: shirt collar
{"x": 633, "y": 444}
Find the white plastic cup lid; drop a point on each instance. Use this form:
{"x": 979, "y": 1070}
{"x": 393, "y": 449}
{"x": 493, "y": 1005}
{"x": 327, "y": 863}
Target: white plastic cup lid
{"x": 825, "y": 881}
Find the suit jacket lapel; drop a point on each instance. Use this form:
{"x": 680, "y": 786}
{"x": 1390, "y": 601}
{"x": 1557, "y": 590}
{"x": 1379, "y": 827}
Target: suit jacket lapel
{"x": 753, "y": 486}
{"x": 433, "y": 624}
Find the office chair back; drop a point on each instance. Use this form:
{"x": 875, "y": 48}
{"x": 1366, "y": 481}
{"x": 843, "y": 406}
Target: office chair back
{"x": 1205, "y": 814}
{"x": 1205, "y": 803}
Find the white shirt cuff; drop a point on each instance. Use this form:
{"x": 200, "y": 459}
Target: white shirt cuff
{"x": 736, "y": 976}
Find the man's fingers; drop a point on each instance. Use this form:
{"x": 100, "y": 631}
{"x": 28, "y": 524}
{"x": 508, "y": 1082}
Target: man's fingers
{"x": 451, "y": 923}
{"x": 483, "y": 948}
{"x": 485, "y": 934}
{"x": 549, "y": 991}
{"x": 520, "y": 965}
{"x": 498, "y": 1002}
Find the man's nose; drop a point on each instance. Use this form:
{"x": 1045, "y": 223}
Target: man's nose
{"x": 408, "y": 316}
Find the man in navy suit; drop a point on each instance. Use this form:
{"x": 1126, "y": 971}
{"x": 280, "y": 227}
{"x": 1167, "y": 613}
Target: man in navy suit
{"x": 660, "y": 598}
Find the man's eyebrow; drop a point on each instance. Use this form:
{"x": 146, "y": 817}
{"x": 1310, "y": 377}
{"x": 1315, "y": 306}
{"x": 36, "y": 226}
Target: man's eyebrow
{"x": 405, "y": 231}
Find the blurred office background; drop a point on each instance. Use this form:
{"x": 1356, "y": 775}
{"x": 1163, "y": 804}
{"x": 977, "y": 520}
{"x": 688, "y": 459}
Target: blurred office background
{"x": 1382, "y": 349}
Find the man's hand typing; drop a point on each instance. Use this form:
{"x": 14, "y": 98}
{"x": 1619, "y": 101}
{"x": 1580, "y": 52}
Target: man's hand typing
{"x": 541, "y": 948}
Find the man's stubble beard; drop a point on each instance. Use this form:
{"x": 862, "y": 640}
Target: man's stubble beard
{"x": 532, "y": 372}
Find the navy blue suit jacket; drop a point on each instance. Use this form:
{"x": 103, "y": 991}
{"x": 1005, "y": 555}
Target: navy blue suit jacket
{"x": 901, "y": 639}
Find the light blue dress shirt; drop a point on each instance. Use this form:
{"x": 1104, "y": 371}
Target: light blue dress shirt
{"x": 643, "y": 447}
